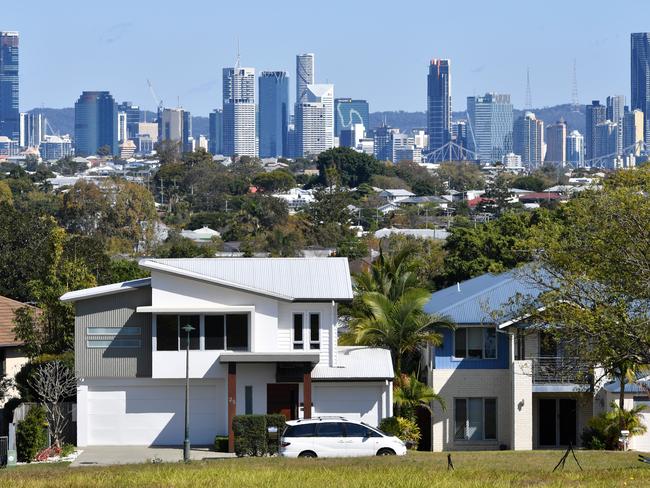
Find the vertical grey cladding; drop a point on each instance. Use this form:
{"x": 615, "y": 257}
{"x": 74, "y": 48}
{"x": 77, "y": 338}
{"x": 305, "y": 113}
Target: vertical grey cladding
{"x": 117, "y": 310}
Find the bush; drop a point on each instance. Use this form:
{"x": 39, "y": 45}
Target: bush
{"x": 31, "y": 434}
{"x": 67, "y": 449}
{"x": 278, "y": 421}
{"x": 250, "y": 435}
{"x": 405, "y": 429}
{"x": 221, "y": 443}
{"x": 603, "y": 431}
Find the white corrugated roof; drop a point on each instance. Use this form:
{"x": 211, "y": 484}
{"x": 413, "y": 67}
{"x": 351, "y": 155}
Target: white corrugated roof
{"x": 355, "y": 362}
{"x": 97, "y": 291}
{"x": 283, "y": 278}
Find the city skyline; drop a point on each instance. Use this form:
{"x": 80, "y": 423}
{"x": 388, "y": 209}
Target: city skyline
{"x": 492, "y": 65}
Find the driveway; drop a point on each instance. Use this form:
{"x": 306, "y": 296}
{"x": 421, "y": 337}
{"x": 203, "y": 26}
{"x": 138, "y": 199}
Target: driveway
{"x": 108, "y": 455}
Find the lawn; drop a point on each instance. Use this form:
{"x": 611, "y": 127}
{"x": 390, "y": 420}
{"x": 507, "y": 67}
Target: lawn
{"x": 416, "y": 469}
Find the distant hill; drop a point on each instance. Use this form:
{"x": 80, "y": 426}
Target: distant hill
{"x": 62, "y": 119}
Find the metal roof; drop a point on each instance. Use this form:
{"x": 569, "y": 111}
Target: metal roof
{"x": 72, "y": 296}
{"x": 472, "y": 301}
{"x": 354, "y": 362}
{"x": 284, "y": 278}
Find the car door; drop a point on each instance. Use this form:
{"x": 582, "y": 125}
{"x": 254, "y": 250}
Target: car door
{"x": 361, "y": 441}
{"x": 330, "y": 440}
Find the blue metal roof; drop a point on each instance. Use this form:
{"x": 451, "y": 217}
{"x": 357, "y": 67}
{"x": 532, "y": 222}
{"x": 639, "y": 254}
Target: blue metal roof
{"x": 473, "y": 301}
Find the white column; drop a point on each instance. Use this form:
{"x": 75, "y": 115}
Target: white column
{"x": 82, "y": 415}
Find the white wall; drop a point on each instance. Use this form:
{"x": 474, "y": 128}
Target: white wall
{"x": 14, "y": 361}
{"x": 366, "y": 401}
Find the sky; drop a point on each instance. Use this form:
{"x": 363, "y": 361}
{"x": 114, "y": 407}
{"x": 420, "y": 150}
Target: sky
{"x": 375, "y": 50}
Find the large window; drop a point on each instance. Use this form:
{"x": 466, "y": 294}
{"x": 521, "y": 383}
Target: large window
{"x": 475, "y": 343}
{"x": 195, "y": 335}
{"x": 214, "y": 332}
{"x": 298, "y": 331}
{"x": 475, "y": 419}
{"x": 227, "y": 332}
{"x": 314, "y": 331}
{"x": 170, "y": 335}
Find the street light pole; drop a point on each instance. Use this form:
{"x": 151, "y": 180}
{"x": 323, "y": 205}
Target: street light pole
{"x": 186, "y": 442}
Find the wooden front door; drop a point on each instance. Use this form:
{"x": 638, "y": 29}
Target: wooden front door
{"x": 282, "y": 398}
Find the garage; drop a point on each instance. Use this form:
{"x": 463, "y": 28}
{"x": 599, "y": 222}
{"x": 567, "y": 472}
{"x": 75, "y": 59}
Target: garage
{"x": 340, "y": 399}
{"x": 642, "y": 442}
{"x": 152, "y": 413}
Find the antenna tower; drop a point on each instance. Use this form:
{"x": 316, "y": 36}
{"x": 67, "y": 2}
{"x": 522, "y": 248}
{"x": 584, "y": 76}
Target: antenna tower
{"x": 529, "y": 97}
{"x": 575, "y": 103}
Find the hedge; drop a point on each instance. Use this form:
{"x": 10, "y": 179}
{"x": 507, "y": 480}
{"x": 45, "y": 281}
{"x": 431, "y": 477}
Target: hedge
{"x": 252, "y": 436}
{"x": 31, "y": 434}
{"x": 221, "y": 443}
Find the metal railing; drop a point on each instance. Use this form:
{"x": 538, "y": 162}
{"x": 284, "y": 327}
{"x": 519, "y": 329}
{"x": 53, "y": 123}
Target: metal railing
{"x": 560, "y": 370}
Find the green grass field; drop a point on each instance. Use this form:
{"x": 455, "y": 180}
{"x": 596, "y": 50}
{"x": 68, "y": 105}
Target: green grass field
{"x": 416, "y": 469}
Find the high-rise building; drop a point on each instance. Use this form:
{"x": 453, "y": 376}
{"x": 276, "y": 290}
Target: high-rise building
{"x": 239, "y": 112}
{"x": 171, "y": 128}
{"x": 9, "y": 111}
{"x": 640, "y": 77}
{"x": 53, "y": 148}
{"x": 273, "y": 113}
{"x": 594, "y": 115}
{"x": 132, "y": 118}
{"x": 383, "y": 142}
{"x": 32, "y": 129}
{"x": 349, "y": 112}
{"x": 528, "y": 139}
{"x": 305, "y": 74}
{"x": 575, "y": 149}
{"x": 459, "y": 133}
{"x": 315, "y": 120}
{"x": 95, "y": 123}
{"x": 187, "y": 139}
{"x": 556, "y": 138}
{"x": 605, "y": 139}
{"x": 490, "y": 130}
{"x": 146, "y": 136}
{"x": 439, "y": 103}
{"x": 352, "y": 137}
{"x": 122, "y": 134}
{"x": 633, "y": 131}
{"x": 215, "y": 135}
{"x": 615, "y": 109}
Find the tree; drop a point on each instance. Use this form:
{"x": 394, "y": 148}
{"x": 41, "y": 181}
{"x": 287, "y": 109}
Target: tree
{"x": 104, "y": 150}
{"x": 461, "y": 176}
{"x": 168, "y": 152}
{"x": 529, "y": 182}
{"x": 410, "y": 394}
{"x": 6, "y": 196}
{"x": 344, "y": 166}
{"x": 84, "y": 208}
{"x": 277, "y": 180}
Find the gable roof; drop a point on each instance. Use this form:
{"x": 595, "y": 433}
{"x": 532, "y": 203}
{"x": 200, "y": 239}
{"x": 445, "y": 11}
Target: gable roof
{"x": 471, "y": 301}
{"x": 8, "y": 308}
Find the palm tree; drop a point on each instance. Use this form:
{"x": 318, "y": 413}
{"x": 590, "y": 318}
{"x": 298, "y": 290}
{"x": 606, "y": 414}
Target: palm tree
{"x": 389, "y": 275}
{"x": 410, "y": 393}
{"x": 621, "y": 419}
{"x": 400, "y": 325}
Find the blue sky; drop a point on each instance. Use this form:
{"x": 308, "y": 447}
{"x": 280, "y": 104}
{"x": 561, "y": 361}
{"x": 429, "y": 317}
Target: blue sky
{"x": 378, "y": 50}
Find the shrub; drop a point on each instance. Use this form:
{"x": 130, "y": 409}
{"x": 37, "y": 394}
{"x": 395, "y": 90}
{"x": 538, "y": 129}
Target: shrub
{"x": 31, "y": 435}
{"x": 273, "y": 440}
{"x": 250, "y": 435}
{"x": 67, "y": 449}
{"x": 405, "y": 429}
{"x": 603, "y": 431}
{"x": 221, "y": 443}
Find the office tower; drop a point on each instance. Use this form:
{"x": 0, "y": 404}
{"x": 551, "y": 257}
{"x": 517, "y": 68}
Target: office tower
{"x": 95, "y": 123}
{"x": 9, "y": 111}
{"x": 606, "y": 139}
{"x": 348, "y": 112}
{"x": 439, "y": 103}
{"x": 640, "y": 77}
{"x": 122, "y": 134}
{"x": 633, "y": 136}
{"x": 556, "y": 138}
{"x": 594, "y": 115}
{"x": 512, "y": 160}
{"x": 383, "y": 142}
{"x": 202, "y": 142}
{"x": 132, "y": 118}
{"x": 315, "y": 120}
{"x": 8, "y": 146}
{"x": 352, "y": 137}
{"x": 32, "y": 129}
{"x": 528, "y": 139}
{"x": 490, "y": 130}
{"x": 186, "y": 139}
{"x": 239, "y": 112}
{"x": 459, "y": 133}
{"x": 53, "y": 148}
{"x": 215, "y": 132}
{"x": 404, "y": 148}
{"x": 171, "y": 125}
{"x": 421, "y": 138}
{"x": 615, "y": 109}
{"x": 273, "y": 113}
{"x": 304, "y": 74}
{"x": 575, "y": 149}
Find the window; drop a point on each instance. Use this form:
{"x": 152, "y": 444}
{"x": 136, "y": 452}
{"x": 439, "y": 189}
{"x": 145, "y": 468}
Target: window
{"x": 195, "y": 335}
{"x": 118, "y": 343}
{"x": 520, "y": 351}
{"x": 547, "y": 344}
{"x": 300, "y": 430}
{"x": 167, "y": 332}
{"x": 221, "y": 332}
{"x": 214, "y": 332}
{"x": 237, "y": 332}
{"x": 248, "y": 399}
{"x": 330, "y": 429}
{"x": 356, "y": 430}
{"x": 475, "y": 418}
{"x": 314, "y": 331}
{"x": 113, "y": 331}
{"x": 297, "y": 331}
{"x": 475, "y": 343}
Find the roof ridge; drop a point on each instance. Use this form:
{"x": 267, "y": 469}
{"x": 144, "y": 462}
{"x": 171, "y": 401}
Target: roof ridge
{"x": 22, "y": 304}
{"x": 481, "y": 292}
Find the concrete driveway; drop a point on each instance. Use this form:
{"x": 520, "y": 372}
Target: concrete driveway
{"x": 109, "y": 455}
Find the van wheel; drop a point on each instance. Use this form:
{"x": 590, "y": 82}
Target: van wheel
{"x": 308, "y": 454}
{"x": 385, "y": 452}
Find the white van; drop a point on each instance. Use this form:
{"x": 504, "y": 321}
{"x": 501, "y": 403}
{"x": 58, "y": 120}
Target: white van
{"x": 336, "y": 437}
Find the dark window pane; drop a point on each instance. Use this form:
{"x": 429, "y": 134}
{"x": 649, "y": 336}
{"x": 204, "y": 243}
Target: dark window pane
{"x": 314, "y": 329}
{"x": 460, "y": 343}
{"x": 248, "y": 394}
{"x": 330, "y": 429}
{"x": 475, "y": 343}
{"x": 304, "y": 430}
{"x": 356, "y": 430}
{"x": 490, "y": 343}
{"x": 547, "y": 344}
{"x": 490, "y": 418}
{"x": 297, "y": 331}
{"x": 167, "y": 332}
{"x": 460, "y": 408}
{"x": 237, "y": 332}
{"x": 214, "y": 332}
{"x": 195, "y": 335}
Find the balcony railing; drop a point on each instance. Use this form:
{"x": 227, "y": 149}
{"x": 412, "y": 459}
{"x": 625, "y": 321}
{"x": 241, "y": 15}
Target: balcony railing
{"x": 560, "y": 370}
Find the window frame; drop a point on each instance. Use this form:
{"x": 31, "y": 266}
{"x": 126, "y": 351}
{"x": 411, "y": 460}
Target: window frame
{"x": 202, "y": 330}
{"x": 314, "y": 344}
{"x": 484, "y": 331}
{"x": 298, "y": 345}
{"x": 114, "y": 331}
{"x": 483, "y": 438}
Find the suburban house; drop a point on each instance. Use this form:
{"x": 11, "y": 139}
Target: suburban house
{"x": 264, "y": 340}
{"x": 505, "y": 385}
{"x": 11, "y": 357}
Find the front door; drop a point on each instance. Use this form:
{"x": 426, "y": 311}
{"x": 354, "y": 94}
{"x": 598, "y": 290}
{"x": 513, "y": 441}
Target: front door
{"x": 282, "y": 398}
{"x": 557, "y": 422}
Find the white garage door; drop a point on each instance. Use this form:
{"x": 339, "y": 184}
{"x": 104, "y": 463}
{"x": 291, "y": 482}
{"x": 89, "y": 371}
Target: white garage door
{"x": 152, "y": 414}
{"x": 642, "y": 442}
{"x": 355, "y": 402}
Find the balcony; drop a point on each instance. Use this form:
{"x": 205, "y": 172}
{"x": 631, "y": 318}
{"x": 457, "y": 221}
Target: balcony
{"x": 560, "y": 371}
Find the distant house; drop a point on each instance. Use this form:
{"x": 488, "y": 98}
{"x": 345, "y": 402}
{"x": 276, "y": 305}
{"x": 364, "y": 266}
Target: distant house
{"x": 202, "y": 235}
{"x": 296, "y": 198}
{"x": 395, "y": 195}
{"x": 436, "y": 234}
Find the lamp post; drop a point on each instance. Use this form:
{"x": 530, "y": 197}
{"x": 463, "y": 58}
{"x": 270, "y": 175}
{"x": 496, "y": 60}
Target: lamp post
{"x": 186, "y": 442}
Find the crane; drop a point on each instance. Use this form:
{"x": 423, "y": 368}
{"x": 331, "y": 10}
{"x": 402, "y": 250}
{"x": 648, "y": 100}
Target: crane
{"x": 159, "y": 103}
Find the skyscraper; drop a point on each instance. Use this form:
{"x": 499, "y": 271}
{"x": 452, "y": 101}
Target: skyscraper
{"x": 575, "y": 149}
{"x": 9, "y": 111}
{"x": 633, "y": 131}
{"x": 304, "y": 74}
{"x": 348, "y": 113}
{"x": 605, "y": 139}
{"x": 439, "y": 103}
{"x": 490, "y": 126}
{"x": 122, "y": 134}
{"x": 239, "y": 112}
{"x": 594, "y": 115}
{"x": 315, "y": 120}
{"x": 32, "y": 129}
{"x": 528, "y": 139}
{"x": 215, "y": 136}
{"x": 95, "y": 123}
{"x": 556, "y": 139}
{"x": 273, "y": 113}
{"x": 132, "y": 118}
{"x": 640, "y": 76}
{"x": 614, "y": 112}
{"x": 383, "y": 142}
